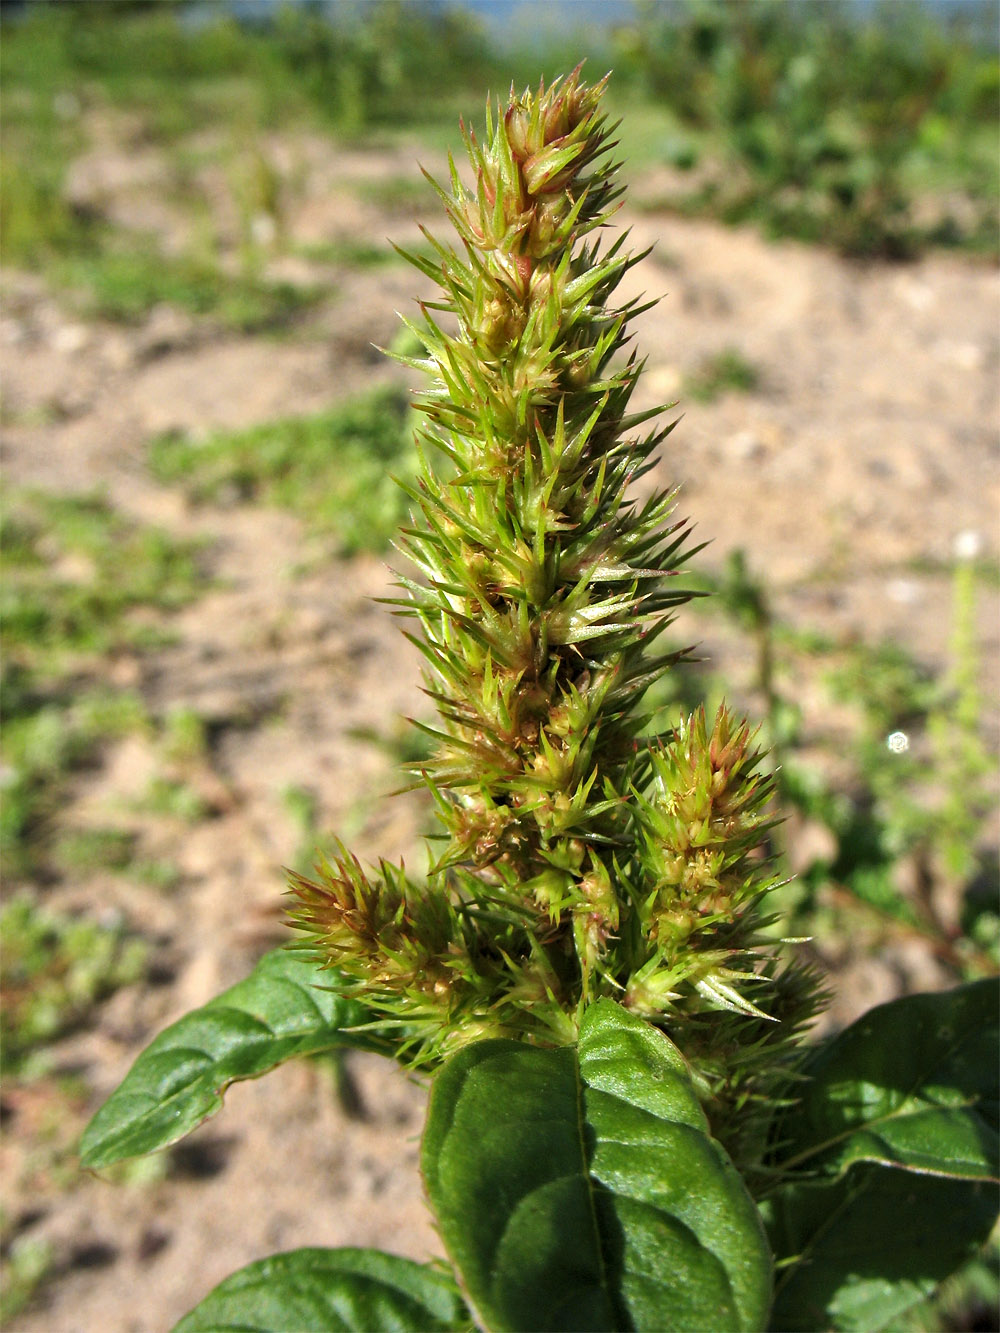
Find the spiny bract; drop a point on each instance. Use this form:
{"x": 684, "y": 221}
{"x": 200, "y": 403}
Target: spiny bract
{"x": 579, "y": 858}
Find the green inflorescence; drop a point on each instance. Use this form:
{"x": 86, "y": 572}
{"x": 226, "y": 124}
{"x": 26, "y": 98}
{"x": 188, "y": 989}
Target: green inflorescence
{"x": 577, "y": 859}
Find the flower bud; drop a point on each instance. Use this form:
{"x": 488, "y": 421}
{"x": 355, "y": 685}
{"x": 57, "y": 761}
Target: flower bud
{"x": 517, "y": 123}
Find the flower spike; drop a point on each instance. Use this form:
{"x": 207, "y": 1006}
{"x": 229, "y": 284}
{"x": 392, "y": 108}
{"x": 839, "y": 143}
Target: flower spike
{"x": 577, "y": 857}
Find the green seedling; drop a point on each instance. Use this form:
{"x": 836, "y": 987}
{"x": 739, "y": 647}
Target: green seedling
{"x": 627, "y": 1128}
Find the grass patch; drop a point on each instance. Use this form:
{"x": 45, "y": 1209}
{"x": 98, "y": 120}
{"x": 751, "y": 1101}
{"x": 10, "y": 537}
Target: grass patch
{"x": 86, "y": 850}
{"x": 80, "y": 582}
{"x": 173, "y": 798}
{"x": 335, "y": 468}
{"x": 42, "y": 746}
{"x": 56, "y": 969}
{"x": 399, "y": 196}
{"x": 76, "y": 572}
{"x": 350, "y": 254}
{"x": 123, "y": 281}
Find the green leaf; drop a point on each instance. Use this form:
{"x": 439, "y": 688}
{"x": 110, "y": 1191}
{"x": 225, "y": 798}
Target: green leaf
{"x": 330, "y": 1291}
{"x": 913, "y": 1084}
{"x": 892, "y": 1151}
{"x": 284, "y": 1009}
{"x": 577, "y": 1188}
{"x": 863, "y": 1249}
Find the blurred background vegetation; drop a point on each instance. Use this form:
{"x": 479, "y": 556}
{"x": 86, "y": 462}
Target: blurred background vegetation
{"x": 869, "y": 128}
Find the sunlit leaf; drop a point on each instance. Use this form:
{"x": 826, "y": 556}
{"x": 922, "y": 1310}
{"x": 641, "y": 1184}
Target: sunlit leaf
{"x": 331, "y": 1291}
{"x": 891, "y": 1158}
{"x": 284, "y": 1009}
{"x": 578, "y": 1187}
{"x": 913, "y": 1083}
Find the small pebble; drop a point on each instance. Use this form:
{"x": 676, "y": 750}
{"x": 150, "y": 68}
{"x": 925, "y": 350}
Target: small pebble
{"x": 69, "y": 338}
{"x": 905, "y": 592}
{"x": 744, "y": 446}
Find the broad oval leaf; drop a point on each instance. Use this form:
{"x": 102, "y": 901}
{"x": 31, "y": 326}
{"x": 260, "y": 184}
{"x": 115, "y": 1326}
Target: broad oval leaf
{"x": 283, "y": 1009}
{"x": 578, "y": 1188}
{"x": 912, "y": 1084}
{"x": 858, "y": 1251}
{"x": 331, "y": 1291}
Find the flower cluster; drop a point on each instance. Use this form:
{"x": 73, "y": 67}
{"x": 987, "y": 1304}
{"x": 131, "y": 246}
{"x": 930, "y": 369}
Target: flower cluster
{"x": 577, "y": 857}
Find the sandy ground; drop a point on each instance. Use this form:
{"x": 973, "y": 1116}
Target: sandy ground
{"x": 869, "y": 445}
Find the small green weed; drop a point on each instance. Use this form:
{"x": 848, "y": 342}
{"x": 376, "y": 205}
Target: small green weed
{"x": 918, "y": 788}
{"x": 56, "y": 969}
{"x": 302, "y": 806}
{"x": 727, "y": 371}
{"x": 178, "y": 800}
{"x": 83, "y": 851}
{"x": 44, "y": 741}
{"x": 185, "y": 736}
{"x": 27, "y": 1263}
{"x": 336, "y": 469}
{"x": 162, "y": 875}
{"x": 891, "y": 689}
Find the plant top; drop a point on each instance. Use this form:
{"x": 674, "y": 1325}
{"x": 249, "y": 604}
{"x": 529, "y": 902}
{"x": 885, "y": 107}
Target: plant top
{"x": 578, "y": 857}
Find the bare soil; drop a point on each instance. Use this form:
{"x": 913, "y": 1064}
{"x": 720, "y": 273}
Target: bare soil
{"x": 869, "y": 445}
